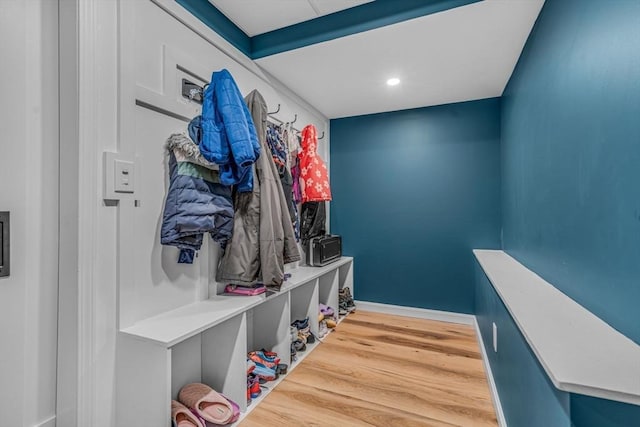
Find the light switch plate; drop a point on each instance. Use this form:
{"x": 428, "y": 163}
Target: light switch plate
{"x": 124, "y": 176}
{"x": 119, "y": 176}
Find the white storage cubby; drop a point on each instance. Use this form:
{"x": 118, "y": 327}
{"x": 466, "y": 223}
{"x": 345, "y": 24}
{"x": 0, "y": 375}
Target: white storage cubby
{"x": 224, "y": 350}
{"x": 345, "y": 279}
{"x": 328, "y": 290}
{"x": 268, "y": 327}
{"x": 345, "y": 276}
{"x": 304, "y": 303}
{"x": 208, "y": 341}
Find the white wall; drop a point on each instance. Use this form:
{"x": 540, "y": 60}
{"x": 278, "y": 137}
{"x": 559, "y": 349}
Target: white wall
{"x": 28, "y": 188}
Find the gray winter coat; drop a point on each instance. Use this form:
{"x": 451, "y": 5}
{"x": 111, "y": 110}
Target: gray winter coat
{"x": 263, "y": 239}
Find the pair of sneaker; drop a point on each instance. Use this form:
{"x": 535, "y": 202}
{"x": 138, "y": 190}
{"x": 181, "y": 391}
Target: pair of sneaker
{"x": 326, "y": 318}
{"x": 346, "y": 303}
{"x": 253, "y": 387}
{"x": 296, "y": 343}
{"x": 304, "y": 334}
{"x": 264, "y": 363}
{"x": 323, "y": 329}
{"x": 326, "y": 311}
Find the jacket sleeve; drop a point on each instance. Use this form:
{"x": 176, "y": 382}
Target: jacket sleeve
{"x": 237, "y": 122}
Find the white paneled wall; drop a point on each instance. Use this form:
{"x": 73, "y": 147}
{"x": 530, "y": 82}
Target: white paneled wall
{"x": 161, "y": 44}
{"x": 162, "y": 52}
{"x": 28, "y": 189}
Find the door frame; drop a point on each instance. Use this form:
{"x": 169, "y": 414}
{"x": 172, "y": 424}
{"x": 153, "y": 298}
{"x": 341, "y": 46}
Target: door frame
{"x": 78, "y": 205}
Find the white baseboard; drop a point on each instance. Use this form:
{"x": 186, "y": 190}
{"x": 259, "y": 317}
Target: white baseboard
{"x": 421, "y": 313}
{"x": 502, "y": 421}
{"x": 51, "y": 422}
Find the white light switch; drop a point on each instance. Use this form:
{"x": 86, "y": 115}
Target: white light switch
{"x": 124, "y": 176}
{"x": 495, "y": 338}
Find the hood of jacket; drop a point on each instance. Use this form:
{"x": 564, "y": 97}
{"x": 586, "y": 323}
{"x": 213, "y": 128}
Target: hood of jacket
{"x": 309, "y": 139}
{"x": 186, "y": 150}
{"x": 257, "y": 107}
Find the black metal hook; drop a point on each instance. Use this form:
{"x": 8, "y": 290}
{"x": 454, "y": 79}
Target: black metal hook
{"x": 294, "y": 119}
{"x": 274, "y": 112}
{"x": 320, "y": 137}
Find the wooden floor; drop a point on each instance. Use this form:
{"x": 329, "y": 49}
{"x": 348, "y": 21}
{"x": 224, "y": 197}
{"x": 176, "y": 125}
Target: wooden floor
{"x": 383, "y": 370}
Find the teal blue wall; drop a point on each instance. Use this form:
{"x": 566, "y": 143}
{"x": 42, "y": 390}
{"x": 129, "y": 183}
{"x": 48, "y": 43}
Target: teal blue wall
{"x": 528, "y": 397}
{"x": 571, "y": 192}
{"x": 414, "y": 192}
{"x": 571, "y": 156}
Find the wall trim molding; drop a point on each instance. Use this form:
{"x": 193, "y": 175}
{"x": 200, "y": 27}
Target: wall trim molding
{"x": 495, "y": 397}
{"x": 420, "y": 313}
{"x": 49, "y": 422}
{"x": 87, "y": 205}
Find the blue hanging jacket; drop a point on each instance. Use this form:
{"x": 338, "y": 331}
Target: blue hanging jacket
{"x": 197, "y": 203}
{"x": 229, "y": 136}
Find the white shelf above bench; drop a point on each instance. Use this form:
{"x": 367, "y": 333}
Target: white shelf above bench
{"x": 170, "y": 328}
{"x": 579, "y": 352}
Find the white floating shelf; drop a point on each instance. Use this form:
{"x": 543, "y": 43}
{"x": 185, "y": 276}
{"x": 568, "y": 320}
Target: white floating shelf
{"x": 580, "y": 352}
{"x": 170, "y": 328}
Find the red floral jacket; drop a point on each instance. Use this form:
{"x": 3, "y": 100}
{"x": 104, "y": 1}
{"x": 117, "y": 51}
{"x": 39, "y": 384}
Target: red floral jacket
{"x": 313, "y": 171}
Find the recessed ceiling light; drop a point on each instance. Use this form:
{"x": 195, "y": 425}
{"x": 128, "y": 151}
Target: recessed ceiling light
{"x": 393, "y": 81}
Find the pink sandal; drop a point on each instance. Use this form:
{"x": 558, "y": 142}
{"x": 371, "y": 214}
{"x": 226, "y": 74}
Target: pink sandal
{"x": 182, "y": 416}
{"x": 207, "y": 403}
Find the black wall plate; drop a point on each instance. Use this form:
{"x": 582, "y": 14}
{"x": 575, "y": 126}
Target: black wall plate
{"x": 5, "y": 226}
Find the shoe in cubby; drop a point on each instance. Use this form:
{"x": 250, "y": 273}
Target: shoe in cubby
{"x": 208, "y": 405}
{"x": 253, "y": 386}
{"x": 264, "y": 358}
{"x": 323, "y": 330}
{"x": 346, "y": 300}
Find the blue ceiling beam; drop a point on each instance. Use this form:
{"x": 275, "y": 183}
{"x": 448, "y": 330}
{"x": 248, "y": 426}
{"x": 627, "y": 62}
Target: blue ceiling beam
{"x": 346, "y": 22}
{"x": 343, "y": 23}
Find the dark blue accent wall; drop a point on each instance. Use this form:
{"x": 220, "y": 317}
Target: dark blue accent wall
{"x": 414, "y": 192}
{"x": 528, "y": 397}
{"x": 571, "y": 190}
{"x": 571, "y": 156}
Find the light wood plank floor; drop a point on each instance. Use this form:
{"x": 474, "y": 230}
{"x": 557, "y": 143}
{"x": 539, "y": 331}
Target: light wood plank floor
{"x": 383, "y": 370}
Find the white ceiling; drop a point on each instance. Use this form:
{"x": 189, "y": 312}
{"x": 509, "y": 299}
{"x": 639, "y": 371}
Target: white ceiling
{"x": 461, "y": 54}
{"x": 260, "y": 16}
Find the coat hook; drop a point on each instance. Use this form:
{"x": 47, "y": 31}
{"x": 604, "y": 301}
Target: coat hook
{"x": 321, "y": 136}
{"x": 294, "y": 119}
{"x": 274, "y": 112}
{"x": 192, "y": 91}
